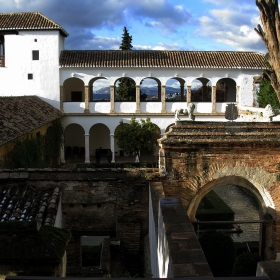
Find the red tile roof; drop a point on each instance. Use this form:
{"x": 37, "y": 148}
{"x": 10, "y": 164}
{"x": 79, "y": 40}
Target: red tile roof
{"x": 21, "y": 114}
{"x": 162, "y": 59}
{"x": 28, "y": 21}
{"x": 25, "y": 203}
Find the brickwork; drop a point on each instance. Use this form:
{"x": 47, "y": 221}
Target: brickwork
{"x": 96, "y": 203}
{"x": 196, "y": 157}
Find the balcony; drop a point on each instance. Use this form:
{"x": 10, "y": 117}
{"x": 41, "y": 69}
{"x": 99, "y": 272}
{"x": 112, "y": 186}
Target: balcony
{"x": 145, "y": 107}
{"x": 2, "y": 60}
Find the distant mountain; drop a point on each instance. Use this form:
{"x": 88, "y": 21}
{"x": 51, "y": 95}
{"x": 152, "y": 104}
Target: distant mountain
{"x": 150, "y": 91}
{"x": 105, "y": 90}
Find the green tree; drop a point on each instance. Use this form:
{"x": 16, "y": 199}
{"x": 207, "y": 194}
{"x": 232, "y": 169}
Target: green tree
{"x": 126, "y": 41}
{"x": 267, "y": 95}
{"x": 137, "y": 136}
{"x": 126, "y": 90}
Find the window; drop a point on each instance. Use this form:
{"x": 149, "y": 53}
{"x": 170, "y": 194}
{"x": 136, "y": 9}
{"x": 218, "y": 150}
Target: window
{"x": 76, "y": 96}
{"x": 30, "y": 76}
{"x": 35, "y": 55}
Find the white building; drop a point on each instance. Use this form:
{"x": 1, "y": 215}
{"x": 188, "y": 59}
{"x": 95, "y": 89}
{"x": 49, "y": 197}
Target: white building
{"x": 33, "y": 62}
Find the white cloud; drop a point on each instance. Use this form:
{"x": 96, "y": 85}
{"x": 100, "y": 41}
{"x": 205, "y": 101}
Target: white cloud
{"x": 232, "y": 28}
{"x": 165, "y": 21}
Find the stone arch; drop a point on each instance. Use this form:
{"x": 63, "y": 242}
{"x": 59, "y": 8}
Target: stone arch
{"x": 226, "y": 90}
{"x": 146, "y": 94}
{"x": 99, "y": 136}
{"x": 73, "y": 90}
{"x": 95, "y": 85}
{"x": 175, "y": 90}
{"x": 74, "y": 140}
{"x": 201, "y": 90}
{"x": 263, "y": 197}
{"x": 126, "y": 96}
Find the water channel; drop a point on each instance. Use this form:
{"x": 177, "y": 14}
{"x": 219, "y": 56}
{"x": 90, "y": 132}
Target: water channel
{"x": 245, "y": 207}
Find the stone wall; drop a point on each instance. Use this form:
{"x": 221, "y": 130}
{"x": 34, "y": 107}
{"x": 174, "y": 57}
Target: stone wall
{"x": 97, "y": 203}
{"x": 196, "y": 157}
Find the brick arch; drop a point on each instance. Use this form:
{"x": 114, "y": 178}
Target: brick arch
{"x": 196, "y": 157}
{"x": 250, "y": 182}
{"x": 262, "y": 194}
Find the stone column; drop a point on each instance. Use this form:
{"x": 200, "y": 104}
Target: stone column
{"x": 163, "y": 99}
{"x": 112, "y": 99}
{"x": 112, "y": 146}
{"x": 214, "y": 99}
{"x": 237, "y": 94}
{"x": 137, "y": 99}
{"x": 86, "y": 100}
{"x": 87, "y": 157}
{"x": 182, "y": 91}
{"x": 189, "y": 94}
{"x": 61, "y": 98}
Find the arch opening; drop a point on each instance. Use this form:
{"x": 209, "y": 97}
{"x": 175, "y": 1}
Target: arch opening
{"x": 99, "y": 137}
{"x": 245, "y": 212}
{"x": 150, "y": 90}
{"x": 99, "y": 90}
{"x": 74, "y": 141}
{"x": 73, "y": 90}
{"x": 176, "y": 90}
{"x": 201, "y": 90}
{"x": 125, "y": 90}
{"x": 226, "y": 90}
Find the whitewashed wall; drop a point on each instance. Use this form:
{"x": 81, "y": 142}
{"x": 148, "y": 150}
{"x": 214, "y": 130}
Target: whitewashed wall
{"x": 19, "y": 63}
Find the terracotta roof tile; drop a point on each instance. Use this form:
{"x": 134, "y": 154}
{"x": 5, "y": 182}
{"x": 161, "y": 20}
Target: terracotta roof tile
{"x": 22, "y": 114}
{"x": 28, "y": 21}
{"x": 26, "y": 203}
{"x": 172, "y": 59}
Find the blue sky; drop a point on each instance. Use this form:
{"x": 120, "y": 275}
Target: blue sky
{"x": 208, "y": 25}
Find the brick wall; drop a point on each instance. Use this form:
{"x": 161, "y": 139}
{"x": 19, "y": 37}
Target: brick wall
{"x": 97, "y": 203}
{"x": 195, "y": 157}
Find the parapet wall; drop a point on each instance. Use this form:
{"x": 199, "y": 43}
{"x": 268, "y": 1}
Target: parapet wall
{"x": 179, "y": 253}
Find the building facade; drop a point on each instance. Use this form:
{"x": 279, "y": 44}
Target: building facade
{"x": 34, "y": 62}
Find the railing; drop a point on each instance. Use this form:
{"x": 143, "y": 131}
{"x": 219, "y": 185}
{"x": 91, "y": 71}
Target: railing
{"x": 2, "y": 60}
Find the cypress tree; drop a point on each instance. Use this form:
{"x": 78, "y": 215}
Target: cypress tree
{"x": 126, "y": 90}
{"x": 126, "y": 41}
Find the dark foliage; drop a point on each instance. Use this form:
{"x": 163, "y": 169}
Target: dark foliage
{"x": 37, "y": 152}
{"x": 126, "y": 90}
{"x": 126, "y": 41}
{"x": 246, "y": 265}
{"x": 267, "y": 95}
{"x": 219, "y": 251}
